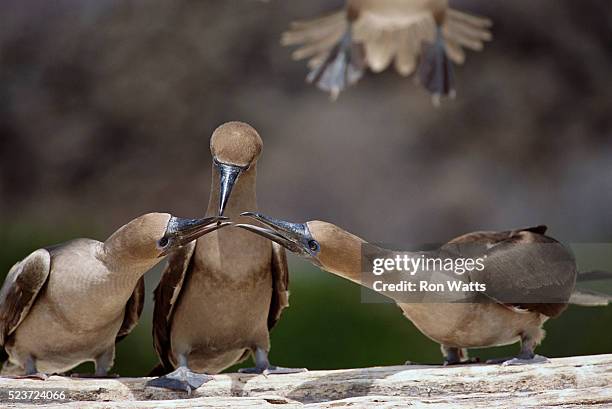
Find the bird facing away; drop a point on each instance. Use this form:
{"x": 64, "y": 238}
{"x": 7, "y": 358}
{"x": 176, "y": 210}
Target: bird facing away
{"x": 521, "y": 268}
{"x": 421, "y": 35}
{"x": 70, "y": 303}
{"x": 220, "y": 296}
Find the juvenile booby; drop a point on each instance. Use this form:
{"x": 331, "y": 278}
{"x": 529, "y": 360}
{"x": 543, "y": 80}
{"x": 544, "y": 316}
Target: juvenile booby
{"x": 375, "y": 33}
{"x": 70, "y": 303}
{"x": 220, "y": 296}
{"x": 529, "y": 278}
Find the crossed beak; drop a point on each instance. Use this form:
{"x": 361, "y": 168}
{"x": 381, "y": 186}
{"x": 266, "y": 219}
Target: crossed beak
{"x": 287, "y": 234}
{"x": 182, "y": 231}
{"x": 228, "y": 174}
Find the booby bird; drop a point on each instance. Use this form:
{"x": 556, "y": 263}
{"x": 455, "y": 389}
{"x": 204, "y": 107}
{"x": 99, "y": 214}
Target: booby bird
{"x": 375, "y": 33}
{"x": 521, "y": 268}
{"x": 220, "y": 296}
{"x": 70, "y": 303}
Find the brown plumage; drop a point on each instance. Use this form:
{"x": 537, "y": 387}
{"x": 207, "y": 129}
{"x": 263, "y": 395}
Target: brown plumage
{"x": 410, "y": 34}
{"x": 219, "y": 297}
{"x": 529, "y": 278}
{"x": 71, "y": 303}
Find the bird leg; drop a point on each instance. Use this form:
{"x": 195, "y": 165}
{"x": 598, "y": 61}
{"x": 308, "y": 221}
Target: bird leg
{"x": 31, "y": 372}
{"x": 103, "y": 363}
{"x": 181, "y": 379}
{"x": 435, "y": 70}
{"x": 262, "y": 366}
{"x": 343, "y": 66}
{"x": 457, "y": 356}
{"x": 526, "y": 356}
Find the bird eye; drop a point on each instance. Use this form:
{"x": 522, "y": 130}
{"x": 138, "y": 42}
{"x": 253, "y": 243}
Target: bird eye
{"x": 163, "y": 242}
{"x": 314, "y": 246}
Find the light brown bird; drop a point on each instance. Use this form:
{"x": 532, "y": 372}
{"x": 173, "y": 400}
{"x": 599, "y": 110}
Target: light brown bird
{"x": 220, "y": 296}
{"x": 70, "y": 303}
{"x": 422, "y": 35}
{"x": 529, "y": 277}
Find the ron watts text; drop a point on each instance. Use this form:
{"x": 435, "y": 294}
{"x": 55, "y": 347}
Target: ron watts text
{"x": 425, "y": 286}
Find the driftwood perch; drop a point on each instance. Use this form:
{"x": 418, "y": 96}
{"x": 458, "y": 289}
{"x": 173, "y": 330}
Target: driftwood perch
{"x": 574, "y": 381}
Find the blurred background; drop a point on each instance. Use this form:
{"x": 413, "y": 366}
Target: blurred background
{"x": 106, "y": 109}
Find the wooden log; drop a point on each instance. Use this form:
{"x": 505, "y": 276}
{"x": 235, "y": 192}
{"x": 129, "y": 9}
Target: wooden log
{"x": 573, "y": 381}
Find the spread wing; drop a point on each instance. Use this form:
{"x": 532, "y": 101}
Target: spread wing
{"x": 524, "y": 268}
{"x": 399, "y": 38}
{"x": 20, "y": 289}
{"x": 280, "y": 283}
{"x": 166, "y": 295}
{"x": 133, "y": 309}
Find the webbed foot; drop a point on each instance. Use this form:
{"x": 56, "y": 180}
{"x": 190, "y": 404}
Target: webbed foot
{"x": 181, "y": 379}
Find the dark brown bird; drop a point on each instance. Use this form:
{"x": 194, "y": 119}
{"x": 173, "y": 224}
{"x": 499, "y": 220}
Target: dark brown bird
{"x": 220, "y": 296}
{"x": 68, "y": 304}
{"x": 422, "y": 35}
{"x": 529, "y": 278}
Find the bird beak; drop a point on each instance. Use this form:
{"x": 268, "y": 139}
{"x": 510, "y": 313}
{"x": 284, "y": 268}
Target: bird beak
{"x": 228, "y": 175}
{"x": 292, "y": 236}
{"x": 182, "y": 231}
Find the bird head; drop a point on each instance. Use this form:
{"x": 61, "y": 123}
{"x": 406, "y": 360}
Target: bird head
{"x": 154, "y": 235}
{"x": 324, "y": 244}
{"x": 235, "y": 148}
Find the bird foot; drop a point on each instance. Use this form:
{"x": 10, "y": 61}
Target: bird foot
{"x": 517, "y": 360}
{"x": 181, "y": 379}
{"x": 271, "y": 370}
{"x": 36, "y": 375}
{"x": 344, "y": 66}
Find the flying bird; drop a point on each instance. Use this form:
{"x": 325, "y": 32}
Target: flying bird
{"x": 221, "y": 295}
{"x": 70, "y": 303}
{"x": 529, "y": 278}
{"x": 425, "y": 36}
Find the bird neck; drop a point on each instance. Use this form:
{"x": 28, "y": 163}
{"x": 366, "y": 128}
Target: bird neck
{"x": 126, "y": 259}
{"x": 341, "y": 254}
{"x": 243, "y": 197}
{"x": 351, "y": 257}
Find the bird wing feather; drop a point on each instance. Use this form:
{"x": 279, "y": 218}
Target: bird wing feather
{"x": 20, "y": 289}
{"x": 530, "y": 271}
{"x": 522, "y": 266}
{"x": 133, "y": 309}
{"x": 280, "y": 283}
{"x": 464, "y": 30}
{"x": 166, "y": 295}
{"x": 316, "y": 36}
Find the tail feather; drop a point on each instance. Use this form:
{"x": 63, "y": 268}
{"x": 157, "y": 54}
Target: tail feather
{"x": 588, "y": 298}
{"x": 594, "y": 275}
{"x": 407, "y": 51}
{"x": 380, "y": 50}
